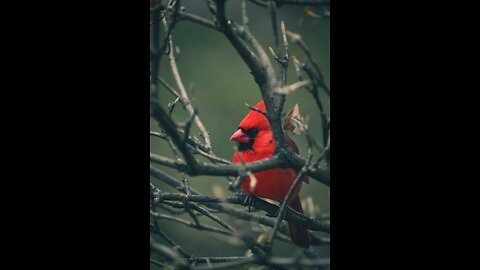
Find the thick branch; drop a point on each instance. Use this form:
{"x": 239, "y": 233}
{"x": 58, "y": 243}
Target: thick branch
{"x": 288, "y": 160}
{"x": 291, "y": 216}
{"x": 258, "y": 70}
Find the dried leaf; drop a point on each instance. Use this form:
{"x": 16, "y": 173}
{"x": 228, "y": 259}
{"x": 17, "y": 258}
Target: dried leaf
{"x": 294, "y": 122}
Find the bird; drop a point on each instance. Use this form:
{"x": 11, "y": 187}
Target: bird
{"x": 255, "y": 142}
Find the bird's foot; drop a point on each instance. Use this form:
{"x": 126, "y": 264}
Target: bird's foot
{"x": 248, "y": 202}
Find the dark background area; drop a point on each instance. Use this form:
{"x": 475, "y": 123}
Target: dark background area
{"x": 220, "y": 83}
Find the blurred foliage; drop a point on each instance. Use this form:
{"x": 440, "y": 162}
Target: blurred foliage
{"x": 220, "y": 83}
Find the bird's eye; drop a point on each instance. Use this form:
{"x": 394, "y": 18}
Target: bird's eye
{"x": 255, "y": 130}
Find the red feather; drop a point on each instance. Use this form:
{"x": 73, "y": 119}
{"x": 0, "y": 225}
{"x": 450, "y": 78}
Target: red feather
{"x": 274, "y": 183}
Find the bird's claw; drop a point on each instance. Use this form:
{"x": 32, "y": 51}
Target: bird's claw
{"x": 248, "y": 202}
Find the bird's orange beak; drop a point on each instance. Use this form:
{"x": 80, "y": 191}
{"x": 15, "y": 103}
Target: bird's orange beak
{"x": 240, "y": 136}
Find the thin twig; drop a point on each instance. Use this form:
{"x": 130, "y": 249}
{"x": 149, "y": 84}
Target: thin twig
{"x": 167, "y": 252}
{"x": 183, "y": 15}
{"x": 272, "y": 8}
{"x": 255, "y": 109}
{"x": 204, "y": 212}
{"x": 228, "y": 265}
{"x": 169, "y": 88}
{"x": 288, "y": 159}
{"x": 202, "y": 227}
{"x": 290, "y": 192}
{"x": 157, "y": 263}
{"x": 173, "y": 243}
{"x": 244, "y": 14}
{"x": 185, "y": 98}
{"x": 291, "y": 216}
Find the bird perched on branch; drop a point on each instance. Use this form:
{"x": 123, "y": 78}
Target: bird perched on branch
{"x": 255, "y": 142}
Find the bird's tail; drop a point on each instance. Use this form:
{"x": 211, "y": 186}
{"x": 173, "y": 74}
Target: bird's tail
{"x": 298, "y": 233}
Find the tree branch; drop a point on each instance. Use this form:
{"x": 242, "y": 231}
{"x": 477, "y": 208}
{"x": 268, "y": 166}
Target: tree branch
{"x": 287, "y": 160}
{"x": 185, "y": 99}
{"x": 183, "y": 15}
{"x": 291, "y": 216}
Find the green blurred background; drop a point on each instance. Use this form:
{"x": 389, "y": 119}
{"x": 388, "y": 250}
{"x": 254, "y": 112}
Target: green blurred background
{"x": 220, "y": 83}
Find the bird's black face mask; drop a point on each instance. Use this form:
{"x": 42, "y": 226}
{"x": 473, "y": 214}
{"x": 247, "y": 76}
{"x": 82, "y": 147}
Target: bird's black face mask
{"x": 251, "y": 133}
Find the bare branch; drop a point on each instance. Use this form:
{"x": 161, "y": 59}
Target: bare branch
{"x": 169, "y": 88}
{"x": 205, "y": 227}
{"x": 286, "y": 200}
{"x": 157, "y": 263}
{"x": 197, "y": 19}
{"x": 227, "y": 27}
{"x": 155, "y": 51}
{"x": 255, "y": 109}
{"x": 244, "y": 14}
{"x": 272, "y": 8}
{"x": 186, "y": 100}
{"x": 215, "y": 259}
{"x": 228, "y": 265}
{"x": 173, "y": 243}
{"x": 204, "y": 212}
{"x": 202, "y": 227}
{"x": 292, "y": 87}
{"x": 167, "y": 252}
{"x": 274, "y": 261}
{"x": 297, "y": 39}
{"x": 287, "y": 160}
{"x": 291, "y": 216}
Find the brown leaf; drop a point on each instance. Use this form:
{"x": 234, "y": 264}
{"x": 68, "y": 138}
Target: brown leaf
{"x": 294, "y": 122}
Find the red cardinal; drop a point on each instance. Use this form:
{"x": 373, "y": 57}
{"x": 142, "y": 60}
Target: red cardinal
{"x": 255, "y": 142}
